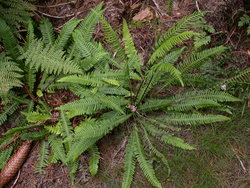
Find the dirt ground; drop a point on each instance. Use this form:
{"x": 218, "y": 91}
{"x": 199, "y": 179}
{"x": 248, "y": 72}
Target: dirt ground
{"x": 224, "y": 19}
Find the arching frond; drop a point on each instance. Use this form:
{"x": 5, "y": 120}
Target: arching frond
{"x": 129, "y": 161}
{"x": 9, "y": 40}
{"x": 57, "y": 148}
{"x": 192, "y": 119}
{"x": 8, "y": 109}
{"x": 88, "y": 24}
{"x": 66, "y": 33}
{"x": 133, "y": 57}
{"x": 167, "y": 138}
{"x": 94, "y": 159}
{"x": 243, "y": 76}
{"x": 169, "y": 44}
{"x": 145, "y": 165}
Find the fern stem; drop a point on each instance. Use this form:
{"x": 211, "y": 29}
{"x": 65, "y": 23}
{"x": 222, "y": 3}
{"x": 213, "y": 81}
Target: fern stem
{"x": 9, "y": 144}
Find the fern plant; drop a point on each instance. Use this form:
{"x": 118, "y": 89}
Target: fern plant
{"x": 124, "y": 92}
{"x": 34, "y": 67}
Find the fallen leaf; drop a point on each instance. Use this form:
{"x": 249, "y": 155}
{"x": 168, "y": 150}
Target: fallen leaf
{"x": 144, "y": 15}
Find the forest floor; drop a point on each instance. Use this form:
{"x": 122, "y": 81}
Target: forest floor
{"x": 223, "y": 155}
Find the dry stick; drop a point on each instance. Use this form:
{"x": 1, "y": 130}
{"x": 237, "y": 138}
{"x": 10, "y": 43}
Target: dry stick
{"x": 57, "y": 17}
{"x": 15, "y": 182}
{"x": 56, "y": 5}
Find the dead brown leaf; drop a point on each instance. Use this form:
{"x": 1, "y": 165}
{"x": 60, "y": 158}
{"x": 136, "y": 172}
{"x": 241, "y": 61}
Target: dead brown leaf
{"x": 144, "y": 15}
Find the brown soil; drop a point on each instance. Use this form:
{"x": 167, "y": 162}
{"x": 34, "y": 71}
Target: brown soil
{"x": 112, "y": 147}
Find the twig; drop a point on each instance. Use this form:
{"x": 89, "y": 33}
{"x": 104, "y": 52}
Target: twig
{"x": 158, "y": 7}
{"x": 57, "y": 17}
{"x": 197, "y": 6}
{"x": 56, "y": 5}
{"x": 30, "y": 94}
{"x": 241, "y": 163}
{"x": 15, "y": 182}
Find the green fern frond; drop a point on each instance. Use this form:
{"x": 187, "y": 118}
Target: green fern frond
{"x": 47, "y": 31}
{"x": 168, "y": 68}
{"x": 36, "y": 135}
{"x": 83, "y": 106}
{"x": 197, "y": 59}
{"x": 30, "y": 33}
{"x": 243, "y": 76}
{"x": 9, "y": 40}
{"x": 43, "y": 158}
{"x": 169, "y": 44}
{"x": 156, "y": 152}
{"x": 167, "y": 138}
{"x": 30, "y": 78}
{"x": 88, "y": 24}
{"x": 154, "y": 104}
{"x": 66, "y": 126}
{"x": 55, "y": 129}
{"x": 5, "y": 156}
{"x": 48, "y": 59}
{"x": 94, "y": 159}
{"x": 112, "y": 38}
{"x": 145, "y": 165}
{"x": 66, "y": 33}
{"x": 133, "y": 57}
{"x": 57, "y": 148}
{"x": 113, "y": 90}
{"x": 10, "y": 75}
{"x": 102, "y": 127}
{"x": 73, "y": 166}
{"x": 192, "y": 104}
{"x": 80, "y": 146}
{"x": 192, "y": 119}
{"x": 173, "y": 56}
{"x": 7, "y": 111}
{"x": 129, "y": 161}
{"x": 182, "y": 26}
{"x": 218, "y": 96}
{"x": 35, "y": 117}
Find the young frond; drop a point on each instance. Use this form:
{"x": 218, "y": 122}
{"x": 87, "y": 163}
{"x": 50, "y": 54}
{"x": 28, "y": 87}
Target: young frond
{"x": 55, "y": 129}
{"x": 94, "y": 159}
{"x": 9, "y": 40}
{"x": 47, "y": 31}
{"x": 133, "y": 57}
{"x": 48, "y": 59}
{"x": 30, "y": 33}
{"x": 167, "y": 138}
{"x": 192, "y": 119}
{"x": 66, "y": 126}
{"x": 66, "y": 33}
{"x": 10, "y": 75}
{"x": 43, "y": 158}
{"x": 169, "y": 44}
{"x": 145, "y": 165}
{"x": 129, "y": 161}
{"x": 88, "y": 24}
